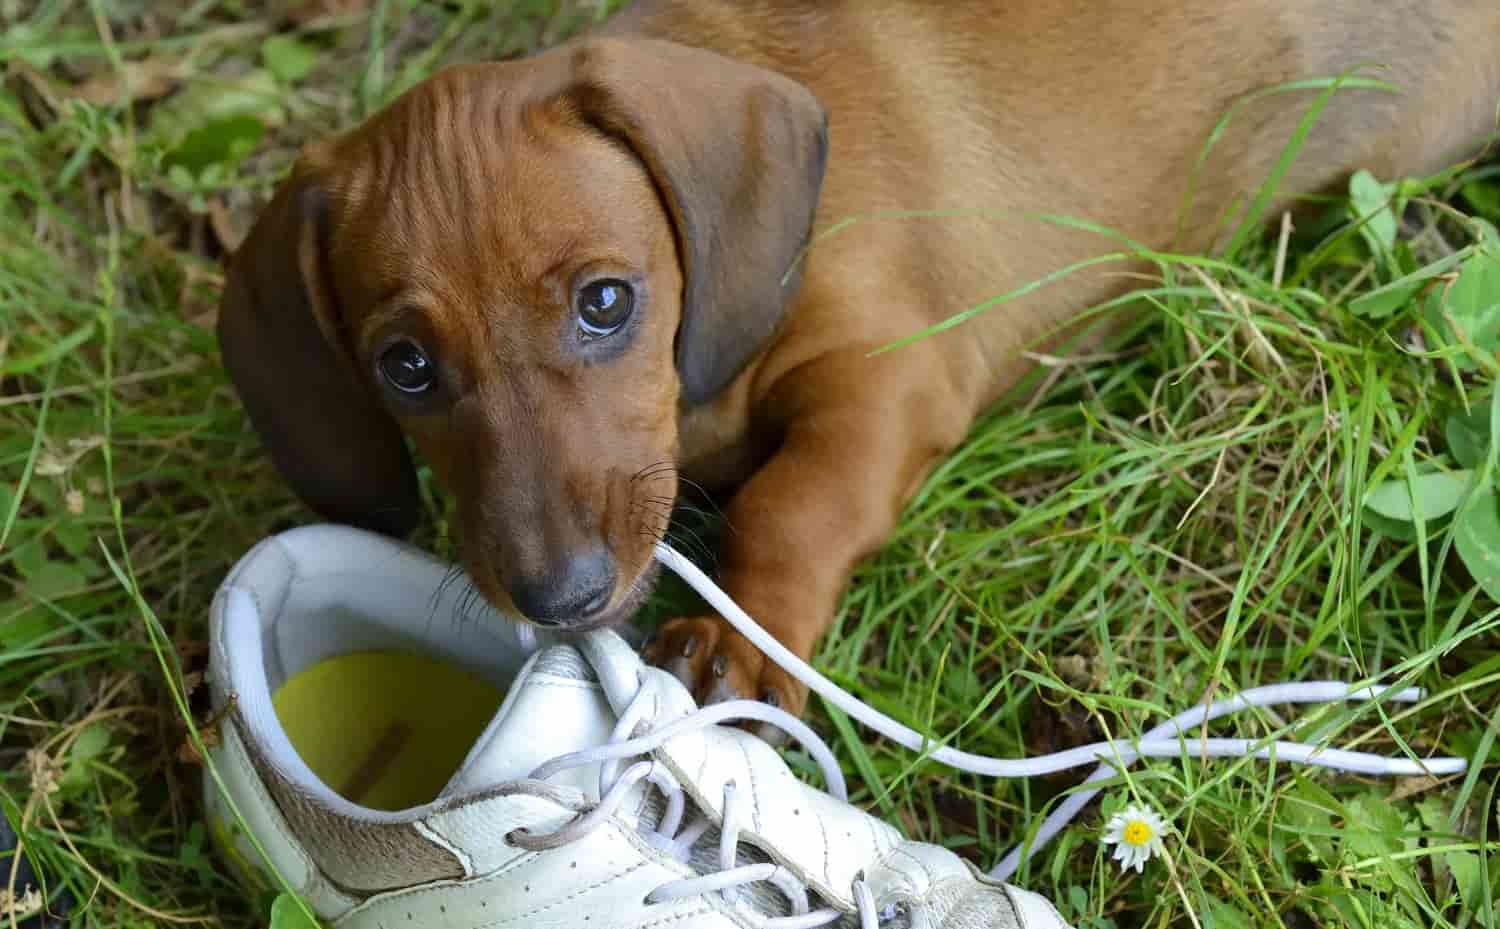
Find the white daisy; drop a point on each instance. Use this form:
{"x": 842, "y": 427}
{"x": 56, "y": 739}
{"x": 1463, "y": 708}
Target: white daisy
{"x": 1136, "y": 835}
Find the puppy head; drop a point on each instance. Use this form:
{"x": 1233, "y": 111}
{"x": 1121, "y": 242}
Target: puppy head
{"x": 525, "y": 268}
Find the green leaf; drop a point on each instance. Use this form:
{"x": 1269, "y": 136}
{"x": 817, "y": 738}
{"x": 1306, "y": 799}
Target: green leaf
{"x": 216, "y": 115}
{"x": 1430, "y": 496}
{"x": 1307, "y": 814}
{"x": 1403, "y": 261}
{"x": 253, "y": 94}
{"x": 22, "y": 629}
{"x": 74, "y": 536}
{"x": 288, "y": 57}
{"x": 54, "y": 579}
{"x": 29, "y": 557}
{"x": 1078, "y": 899}
{"x": 1474, "y": 299}
{"x": 1374, "y": 829}
{"x": 1477, "y": 538}
{"x": 1383, "y": 301}
{"x": 92, "y": 742}
{"x": 1486, "y": 232}
{"x": 1224, "y": 916}
{"x": 1494, "y": 400}
{"x": 1471, "y": 303}
{"x": 224, "y": 141}
{"x": 1375, "y": 833}
{"x": 1434, "y": 814}
{"x": 1468, "y": 435}
{"x": 1467, "y": 874}
{"x": 1370, "y": 201}
{"x": 1363, "y": 908}
{"x": 1483, "y": 196}
{"x": 1398, "y": 529}
{"x": 288, "y": 913}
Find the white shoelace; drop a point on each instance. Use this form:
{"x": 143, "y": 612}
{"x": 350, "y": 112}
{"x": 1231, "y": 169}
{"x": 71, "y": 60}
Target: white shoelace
{"x": 1167, "y": 740}
{"x": 675, "y": 836}
{"x": 634, "y": 736}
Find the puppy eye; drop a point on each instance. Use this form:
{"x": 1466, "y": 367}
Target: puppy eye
{"x": 603, "y": 307}
{"x": 407, "y": 367}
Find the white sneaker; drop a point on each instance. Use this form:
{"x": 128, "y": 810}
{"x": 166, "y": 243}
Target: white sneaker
{"x": 366, "y": 744}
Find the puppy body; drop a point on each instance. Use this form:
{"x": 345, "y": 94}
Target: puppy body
{"x": 993, "y": 113}
{"x": 683, "y": 147}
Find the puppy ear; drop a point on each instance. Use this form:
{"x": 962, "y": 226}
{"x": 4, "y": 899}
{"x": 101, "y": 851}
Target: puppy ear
{"x": 737, "y": 153}
{"x": 280, "y": 335}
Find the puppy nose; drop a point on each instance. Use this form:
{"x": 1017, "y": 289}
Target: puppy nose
{"x": 569, "y": 592}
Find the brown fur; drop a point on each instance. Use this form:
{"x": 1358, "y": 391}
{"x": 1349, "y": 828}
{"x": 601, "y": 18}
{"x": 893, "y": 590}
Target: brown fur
{"x": 681, "y": 146}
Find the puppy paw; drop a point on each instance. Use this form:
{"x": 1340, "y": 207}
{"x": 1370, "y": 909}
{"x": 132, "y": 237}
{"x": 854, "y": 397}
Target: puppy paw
{"x": 716, "y": 663}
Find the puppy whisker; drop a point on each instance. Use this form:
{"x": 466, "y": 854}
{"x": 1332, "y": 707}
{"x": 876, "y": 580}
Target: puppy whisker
{"x": 657, "y": 471}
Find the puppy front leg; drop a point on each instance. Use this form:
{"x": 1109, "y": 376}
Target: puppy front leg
{"x": 829, "y": 496}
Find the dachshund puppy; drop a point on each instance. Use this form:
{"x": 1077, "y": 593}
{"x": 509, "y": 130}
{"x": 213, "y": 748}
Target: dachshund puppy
{"x": 570, "y": 278}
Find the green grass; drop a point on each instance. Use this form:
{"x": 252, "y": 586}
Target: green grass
{"x": 1178, "y": 520}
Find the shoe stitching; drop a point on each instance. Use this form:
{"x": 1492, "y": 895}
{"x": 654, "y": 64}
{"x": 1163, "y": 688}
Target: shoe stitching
{"x": 827, "y": 863}
{"x": 516, "y": 863}
{"x": 703, "y": 745}
{"x": 543, "y": 679}
{"x": 754, "y": 793}
{"x": 634, "y": 838}
{"x": 882, "y": 863}
{"x": 891, "y": 836}
{"x": 465, "y": 860}
{"x": 424, "y": 891}
{"x": 261, "y": 797}
{"x": 880, "y": 851}
{"x": 926, "y": 871}
{"x": 438, "y": 889}
{"x": 669, "y": 757}
{"x": 668, "y": 920}
{"x": 521, "y": 917}
{"x": 251, "y": 592}
{"x": 295, "y": 577}
{"x": 885, "y": 839}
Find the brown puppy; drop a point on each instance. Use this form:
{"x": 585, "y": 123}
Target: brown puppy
{"x": 567, "y": 277}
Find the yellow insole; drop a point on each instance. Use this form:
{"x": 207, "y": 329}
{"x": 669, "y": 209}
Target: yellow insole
{"x": 386, "y": 730}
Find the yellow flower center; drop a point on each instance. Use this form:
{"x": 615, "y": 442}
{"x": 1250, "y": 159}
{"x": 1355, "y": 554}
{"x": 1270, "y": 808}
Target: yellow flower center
{"x": 1136, "y": 833}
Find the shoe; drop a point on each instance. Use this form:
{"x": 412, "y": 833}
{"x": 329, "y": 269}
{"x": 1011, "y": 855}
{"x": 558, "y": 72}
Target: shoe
{"x": 403, "y": 764}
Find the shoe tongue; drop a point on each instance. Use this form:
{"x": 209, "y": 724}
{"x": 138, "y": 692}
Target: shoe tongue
{"x": 556, "y": 705}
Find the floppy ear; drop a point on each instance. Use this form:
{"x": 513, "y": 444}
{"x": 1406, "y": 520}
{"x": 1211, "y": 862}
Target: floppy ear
{"x": 737, "y": 154}
{"x": 280, "y": 335}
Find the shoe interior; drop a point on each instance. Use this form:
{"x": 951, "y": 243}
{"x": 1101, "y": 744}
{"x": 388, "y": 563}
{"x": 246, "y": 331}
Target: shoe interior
{"x": 385, "y": 729}
{"x": 364, "y": 671}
